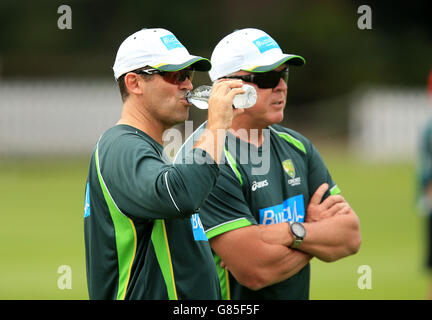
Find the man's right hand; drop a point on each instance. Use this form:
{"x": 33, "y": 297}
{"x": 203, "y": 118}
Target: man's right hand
{"x": 220, "y": 116}
{"x": 331, "y": 206}
{"x": 220, "y": 110}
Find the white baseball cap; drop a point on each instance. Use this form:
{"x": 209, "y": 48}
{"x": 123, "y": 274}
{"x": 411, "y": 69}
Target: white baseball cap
{"x": 157, "y": 48}
{"x": 250, "y": 50}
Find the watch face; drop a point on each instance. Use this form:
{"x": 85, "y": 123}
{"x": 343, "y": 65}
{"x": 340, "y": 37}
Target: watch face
{"x": 298, "y": 230}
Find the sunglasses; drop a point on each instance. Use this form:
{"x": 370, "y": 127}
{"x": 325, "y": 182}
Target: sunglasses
{"x": 264, "y": 80}
{"x": 175, "y": 77}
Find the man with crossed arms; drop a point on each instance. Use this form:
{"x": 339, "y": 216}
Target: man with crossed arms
{"x": 265, "y": 228}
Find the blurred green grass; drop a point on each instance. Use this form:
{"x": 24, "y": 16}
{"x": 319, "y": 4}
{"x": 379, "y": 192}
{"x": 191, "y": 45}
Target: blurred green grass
{"x": 42, "y": 229}
{"x": 393, "y": 233}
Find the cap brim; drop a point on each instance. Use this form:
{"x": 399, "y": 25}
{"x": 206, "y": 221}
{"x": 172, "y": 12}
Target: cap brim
{"x": 198, "y": 63}
{"x": 288, "y": 59}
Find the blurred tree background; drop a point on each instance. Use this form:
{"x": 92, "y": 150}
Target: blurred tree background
{"x": 340, "y": 57}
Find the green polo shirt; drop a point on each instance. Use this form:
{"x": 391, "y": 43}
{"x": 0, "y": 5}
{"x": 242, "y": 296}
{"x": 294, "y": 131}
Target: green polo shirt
{"x": 143, "y": 234}
{"x": 265, "y": 185}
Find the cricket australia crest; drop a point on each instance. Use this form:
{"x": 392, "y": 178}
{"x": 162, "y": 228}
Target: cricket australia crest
{"x": 288, "y": 166}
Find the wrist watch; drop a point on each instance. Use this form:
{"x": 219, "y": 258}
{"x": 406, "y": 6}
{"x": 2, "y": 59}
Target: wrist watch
{"x": 299, "y": 232}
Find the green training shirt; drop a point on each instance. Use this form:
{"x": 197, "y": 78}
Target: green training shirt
{"x": 253, "y": 189}
{"x": 143, "y": 235}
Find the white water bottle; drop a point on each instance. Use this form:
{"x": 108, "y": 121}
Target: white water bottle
{"x": 199, "y": 97}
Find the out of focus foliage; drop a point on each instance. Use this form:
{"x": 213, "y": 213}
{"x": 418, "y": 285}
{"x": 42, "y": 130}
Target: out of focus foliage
{"x": 340, "y": 57}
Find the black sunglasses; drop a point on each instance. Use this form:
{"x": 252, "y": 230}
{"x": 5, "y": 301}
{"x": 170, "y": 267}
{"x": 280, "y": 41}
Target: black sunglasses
{"x": 264, "y": 80}
{"x": 175, "y": 77}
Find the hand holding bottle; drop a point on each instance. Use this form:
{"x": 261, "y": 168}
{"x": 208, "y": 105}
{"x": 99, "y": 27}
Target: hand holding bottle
{"x": 199, "y": 97}
{"x": 220, "y": 111}
{"x": 220, "y": 116}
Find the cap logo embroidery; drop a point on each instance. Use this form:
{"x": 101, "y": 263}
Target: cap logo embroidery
{"x": 171, "y": 42}
{"x": 265, "y": 43}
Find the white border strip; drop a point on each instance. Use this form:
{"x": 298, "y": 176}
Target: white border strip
{"x": 219, "y": 225}
{"x": 179, "y": 150}
{"x": 169, "y": 192}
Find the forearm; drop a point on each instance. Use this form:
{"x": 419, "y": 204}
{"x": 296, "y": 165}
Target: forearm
{"x": 212, "y": 141}
{"x": 277, "y": 264}
{"x": 254, "y": 262}
{"x": 288, "y": 263}
{"x": 328, "y": 239}
{"x": 188, "y": 185}
{"x": 333, "y": 238}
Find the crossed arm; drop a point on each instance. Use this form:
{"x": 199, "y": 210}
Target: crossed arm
{"x": 259, "y": 255}
{"x": 253, "y": 261}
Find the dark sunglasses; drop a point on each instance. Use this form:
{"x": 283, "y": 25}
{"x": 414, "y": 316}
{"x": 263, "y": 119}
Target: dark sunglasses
{"x": 264, "y": 80}
{"x": 175, "y": 77}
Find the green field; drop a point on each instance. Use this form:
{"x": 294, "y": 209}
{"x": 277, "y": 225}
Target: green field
{"x": 383, "y": 196}
{"x": 42, "y": 229}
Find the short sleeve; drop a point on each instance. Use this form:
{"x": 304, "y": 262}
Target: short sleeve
{"x": 144, "y": 186}
{"x": 319, "y": 174}
{"x": 225, "y": 208}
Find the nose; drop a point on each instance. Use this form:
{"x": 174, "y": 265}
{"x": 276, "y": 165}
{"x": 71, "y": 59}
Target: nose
{"x": 282, "y": 85}
{"x": 186, "y": 84}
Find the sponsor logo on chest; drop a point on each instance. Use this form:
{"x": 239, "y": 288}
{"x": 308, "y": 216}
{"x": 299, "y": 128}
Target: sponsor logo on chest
{"x": 291, "y": 210}
{"x": 289, "y": 169}
{"x": 197, "y": 228}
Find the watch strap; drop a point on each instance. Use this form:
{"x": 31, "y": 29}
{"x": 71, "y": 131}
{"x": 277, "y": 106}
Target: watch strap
{"x": 297, "y": 240}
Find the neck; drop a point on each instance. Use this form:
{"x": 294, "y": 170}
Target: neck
{"x": 249, "y": 134}
{"x": 135, "y": 115}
